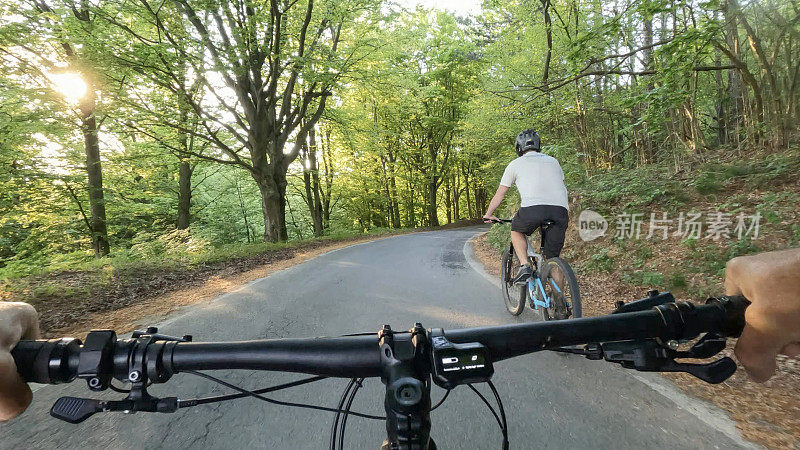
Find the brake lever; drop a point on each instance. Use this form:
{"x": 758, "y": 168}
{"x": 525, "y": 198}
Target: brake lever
{"x": 95, "y": 365}
{"x": 649, "y": 356}
{"x": 76, "y": 410}
{"x": 708, "y": 346}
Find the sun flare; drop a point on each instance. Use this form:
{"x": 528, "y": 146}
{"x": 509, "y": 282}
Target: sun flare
{"x": 70, "y": 85}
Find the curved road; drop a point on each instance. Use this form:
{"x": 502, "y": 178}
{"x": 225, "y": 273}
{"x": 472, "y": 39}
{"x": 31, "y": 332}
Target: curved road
{"x": 552, "y": 401}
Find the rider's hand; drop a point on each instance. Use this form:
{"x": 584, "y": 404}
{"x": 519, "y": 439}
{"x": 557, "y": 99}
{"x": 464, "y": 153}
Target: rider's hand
{"x": 17, "y": 321}
{"x": 771, "y": 281}
{"x": 488, "y": 218}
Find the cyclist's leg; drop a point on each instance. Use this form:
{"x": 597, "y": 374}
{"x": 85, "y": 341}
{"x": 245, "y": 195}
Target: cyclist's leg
{"x": 522, "y": 225}
{"x": 554, "y": 238}
{"x": 520, "y": 243}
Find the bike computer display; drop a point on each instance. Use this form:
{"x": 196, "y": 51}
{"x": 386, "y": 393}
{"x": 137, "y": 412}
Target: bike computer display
{"x": 455, "y": 364}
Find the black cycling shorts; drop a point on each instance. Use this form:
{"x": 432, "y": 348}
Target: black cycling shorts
{"x": 529, "y": 218}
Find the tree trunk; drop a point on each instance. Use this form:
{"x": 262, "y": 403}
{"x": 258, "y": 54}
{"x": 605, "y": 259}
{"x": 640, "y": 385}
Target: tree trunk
{"x": 548, "y": 31}
{"x": 647, "y": 143}
{"x": 328, "y": 191}
{"x": 433, "y": 213}
{"x": 448, "y": 200}
{"x": 185, "y": 194}
{"x": 393, "y": 190}
{"x": 94, "y": 176}
{"x": 456, "y": 195}
{"x": 467, "y": 196}
{"x": 272, "y": 208}
{"x": 720, "y": 106}
{"x": 412, "y": 213}
{"x": 735, "y": 98}
{"x": 311, "y": 181}
{"x": 480, "y": 199}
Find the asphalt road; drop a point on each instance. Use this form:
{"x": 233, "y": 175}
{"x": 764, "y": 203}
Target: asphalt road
{"x": 552, "y": 401}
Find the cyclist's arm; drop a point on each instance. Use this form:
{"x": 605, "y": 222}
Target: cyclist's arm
{"x": 771, "y": 281}
{"x": 17, "y": 321}
{"x": 495, "y": 202}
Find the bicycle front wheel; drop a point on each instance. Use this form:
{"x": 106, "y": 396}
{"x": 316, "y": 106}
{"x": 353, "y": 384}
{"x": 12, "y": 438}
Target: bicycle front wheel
{"x": 513, "y": 295}
{"x": 561, "y": 286}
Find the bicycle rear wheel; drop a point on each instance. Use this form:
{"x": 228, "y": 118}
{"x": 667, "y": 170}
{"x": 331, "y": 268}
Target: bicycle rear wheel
{"x": 514, "y": 296}
{"x": 561, "y": 285}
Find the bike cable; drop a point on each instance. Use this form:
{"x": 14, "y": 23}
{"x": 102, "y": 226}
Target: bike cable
{"x": 221, "y": 398}
{"x": 501, "y": 419}
{"x": 439, "y": 403}
{"x": 356, "y": 387}
{"x": 189, "y": 403}
{"x": 502, "y": 414}
{"x": 335, "y": 425}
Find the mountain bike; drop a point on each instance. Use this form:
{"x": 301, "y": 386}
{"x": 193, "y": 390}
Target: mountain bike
{"x": 644, "y": 335}
{"x": 553, "y": 286}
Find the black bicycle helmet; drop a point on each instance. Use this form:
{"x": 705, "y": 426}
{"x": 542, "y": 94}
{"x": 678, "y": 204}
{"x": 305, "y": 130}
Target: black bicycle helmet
{"x": 528, "y": 140}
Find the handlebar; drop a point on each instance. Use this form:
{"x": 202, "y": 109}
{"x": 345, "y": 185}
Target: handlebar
{"x": 640, "y": 335}
{"x": 497, "y": 221}
{"x": 62, "y": 360}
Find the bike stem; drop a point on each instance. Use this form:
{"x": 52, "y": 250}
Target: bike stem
{"x": 406, "y": 374}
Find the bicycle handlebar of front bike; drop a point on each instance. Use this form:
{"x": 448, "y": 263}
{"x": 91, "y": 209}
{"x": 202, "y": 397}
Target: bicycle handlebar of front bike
{"x": 497, "y": 221}
{"x": 58, "y": 361}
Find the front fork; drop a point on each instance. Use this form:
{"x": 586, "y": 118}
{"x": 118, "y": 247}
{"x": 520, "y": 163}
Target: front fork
{"x": 406, "y": 375}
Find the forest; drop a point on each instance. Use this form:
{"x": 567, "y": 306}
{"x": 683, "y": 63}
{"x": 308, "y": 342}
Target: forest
{"x": 145, "y": 129}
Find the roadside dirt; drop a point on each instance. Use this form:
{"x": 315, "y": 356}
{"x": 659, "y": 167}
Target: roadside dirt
{"x": 767, "y": 414}
{"x": 188, "y": 291}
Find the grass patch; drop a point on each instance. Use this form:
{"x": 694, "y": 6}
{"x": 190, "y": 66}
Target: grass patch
{"x": 644, "y": 278}
{"x": 600, "y": 261}
{"x": 499, "y": 237}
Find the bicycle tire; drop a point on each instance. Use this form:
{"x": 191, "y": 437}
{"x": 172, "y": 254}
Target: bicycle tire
{"x": 513, "y": 296}
{"x": 570, "y": 282}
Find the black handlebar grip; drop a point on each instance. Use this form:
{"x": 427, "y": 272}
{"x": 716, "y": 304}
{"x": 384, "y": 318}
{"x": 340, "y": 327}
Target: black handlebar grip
{"x": 734, "y": 307}
{"x": 50, "y": 361}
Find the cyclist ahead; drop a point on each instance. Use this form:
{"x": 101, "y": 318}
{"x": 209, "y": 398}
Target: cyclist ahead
{"x": 540, "y": 182}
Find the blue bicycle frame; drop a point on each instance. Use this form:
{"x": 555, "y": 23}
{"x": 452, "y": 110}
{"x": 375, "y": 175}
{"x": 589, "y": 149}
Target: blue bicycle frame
{"x": 535, "y": 286}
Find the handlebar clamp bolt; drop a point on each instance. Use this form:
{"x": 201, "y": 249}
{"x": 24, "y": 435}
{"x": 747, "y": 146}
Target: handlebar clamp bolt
{"x": 673, "y": 344}
{"x": 134, "y": 376}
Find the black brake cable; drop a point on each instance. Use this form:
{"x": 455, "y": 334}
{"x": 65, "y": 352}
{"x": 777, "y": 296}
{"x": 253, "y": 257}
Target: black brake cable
{"x": 221, "y": 398}
{"x": 126, "y": 391}
{"x": 502, "y": 413}
{"x": 439, "y": 403}
{"x": 335, "y": 425}
{"x": 500, "y": 422}
{"x": 352, "y": 397}
{"x": 269, "y": 400}
{"x": 488, "y": 405}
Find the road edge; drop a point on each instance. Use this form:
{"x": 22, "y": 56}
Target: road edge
{"x": 472, "y": 259}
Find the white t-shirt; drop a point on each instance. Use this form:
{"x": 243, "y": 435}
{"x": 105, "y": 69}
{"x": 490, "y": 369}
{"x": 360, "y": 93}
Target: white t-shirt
{"x": 539, "y": 179}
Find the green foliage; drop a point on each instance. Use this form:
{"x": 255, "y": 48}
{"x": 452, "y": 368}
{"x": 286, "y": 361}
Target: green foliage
{"x": 600, "y": 261}
{"x": 175, "y": 242}
{"x": 499, "y": 237}
{"x": 644, "y": 278}
{"x": 707, "y": 183}
{"x": 677, "y": 281}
